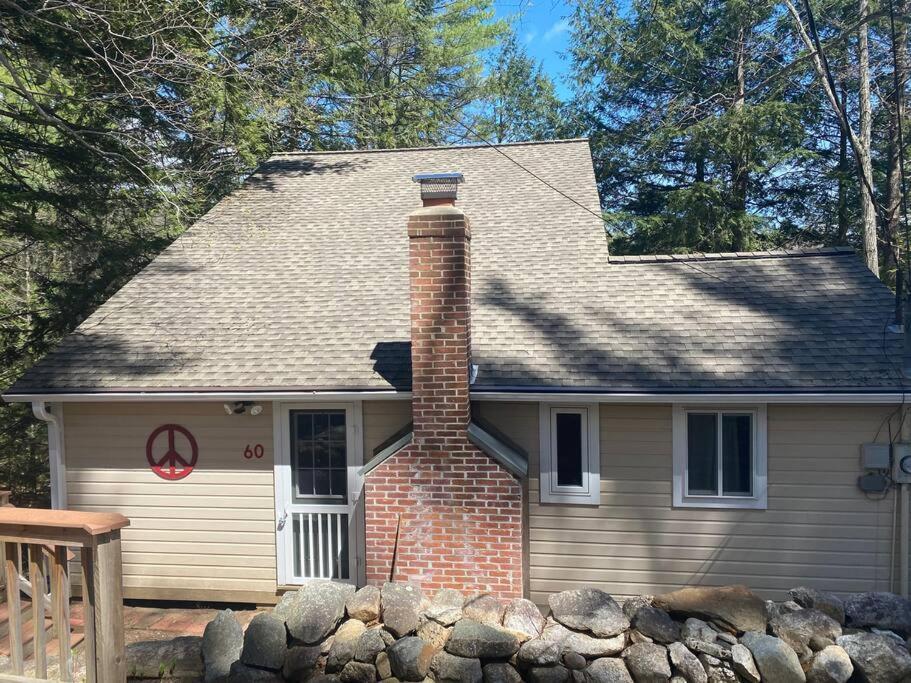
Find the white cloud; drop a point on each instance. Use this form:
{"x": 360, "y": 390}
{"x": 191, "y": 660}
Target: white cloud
{"x": 530, "y": 36}
{"x": 560, "y": 27}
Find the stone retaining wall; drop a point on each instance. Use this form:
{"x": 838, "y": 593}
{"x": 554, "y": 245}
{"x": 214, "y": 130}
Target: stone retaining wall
{"x": 328, "y": 632}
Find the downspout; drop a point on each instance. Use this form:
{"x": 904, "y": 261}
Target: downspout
{"x": 55, "y": 454}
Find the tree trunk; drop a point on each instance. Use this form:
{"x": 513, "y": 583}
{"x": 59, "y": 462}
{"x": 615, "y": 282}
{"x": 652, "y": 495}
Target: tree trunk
{"x": 896, "y": 112}
{"x": 739, "y": 165}
{"x": 842, "y": 237}
{"x": 867, "y": 209}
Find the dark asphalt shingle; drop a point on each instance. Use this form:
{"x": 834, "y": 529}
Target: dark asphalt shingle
{"x": 298, "y": 280}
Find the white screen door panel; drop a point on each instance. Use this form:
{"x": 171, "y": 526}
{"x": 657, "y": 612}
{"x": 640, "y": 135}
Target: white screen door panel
{"x": 317, "y": 489}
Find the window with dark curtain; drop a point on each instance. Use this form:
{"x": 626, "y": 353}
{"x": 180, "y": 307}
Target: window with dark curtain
{"x": 569, "y": 449}
{"x": 702, "y": 454}
{"x": 737, "y": 455}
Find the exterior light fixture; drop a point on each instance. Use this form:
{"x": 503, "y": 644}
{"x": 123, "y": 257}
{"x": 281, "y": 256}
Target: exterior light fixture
{"x": 241, "y": 407}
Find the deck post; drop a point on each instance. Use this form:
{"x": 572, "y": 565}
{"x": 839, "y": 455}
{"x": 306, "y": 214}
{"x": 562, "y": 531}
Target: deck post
{"x": 105, "y": 600}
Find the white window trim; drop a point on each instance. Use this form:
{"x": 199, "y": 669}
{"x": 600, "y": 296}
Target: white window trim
{"x": 590, "y": 491}
{"x": 759, "y": 499}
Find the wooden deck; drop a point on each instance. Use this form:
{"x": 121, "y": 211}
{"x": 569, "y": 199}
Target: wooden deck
{"x": 142, "y": 622}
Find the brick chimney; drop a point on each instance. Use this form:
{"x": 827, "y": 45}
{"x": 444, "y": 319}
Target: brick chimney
{"x": 440, "y": 512}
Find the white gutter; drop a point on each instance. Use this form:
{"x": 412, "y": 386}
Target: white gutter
{"x": 215, "y": 396}
{"x": 531, "y": 395}
{"x": 54, "y": 451}
{"x": 700, "y": 398}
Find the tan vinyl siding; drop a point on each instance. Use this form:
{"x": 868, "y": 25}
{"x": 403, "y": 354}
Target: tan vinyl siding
{"x": 818, "y": 528}
{"x": 382, "y": 419}
{"x": 210, "y": 535}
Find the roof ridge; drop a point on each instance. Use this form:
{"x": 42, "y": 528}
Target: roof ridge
{"x": 427, "y": 148}
{"x": 735, "y": 255}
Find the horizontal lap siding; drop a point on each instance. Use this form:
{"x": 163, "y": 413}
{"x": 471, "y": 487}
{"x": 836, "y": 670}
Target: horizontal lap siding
{"x": 382, "y": 419}
{"x": 818, "y": 529}
{"x": 210, "y": 535}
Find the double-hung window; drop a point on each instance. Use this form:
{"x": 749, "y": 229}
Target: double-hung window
{"x": 720, "y": 457}
{"x": 570, "y": 457}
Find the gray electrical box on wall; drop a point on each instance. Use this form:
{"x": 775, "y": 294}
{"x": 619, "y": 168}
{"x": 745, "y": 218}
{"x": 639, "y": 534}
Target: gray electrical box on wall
{"x": 901, "y": 463}
{"x": 875, "y": 456}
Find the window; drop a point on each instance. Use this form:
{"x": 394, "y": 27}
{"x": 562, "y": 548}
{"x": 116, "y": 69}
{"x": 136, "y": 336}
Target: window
{"x": 319, "y": 454}
{"x": 570, "y": 457}
{"x": 720, "y": 457}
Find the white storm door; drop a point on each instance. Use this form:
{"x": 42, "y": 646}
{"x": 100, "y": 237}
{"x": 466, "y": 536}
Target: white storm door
{"x": 317, "y": 488}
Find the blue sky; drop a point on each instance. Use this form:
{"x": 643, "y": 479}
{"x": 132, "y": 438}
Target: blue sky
{"x": 543, "y": 27}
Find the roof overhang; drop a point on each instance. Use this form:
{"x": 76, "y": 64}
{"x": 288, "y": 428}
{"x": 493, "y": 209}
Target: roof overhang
{"x": 524, "y": 394}
{"x": 219, "y": 395}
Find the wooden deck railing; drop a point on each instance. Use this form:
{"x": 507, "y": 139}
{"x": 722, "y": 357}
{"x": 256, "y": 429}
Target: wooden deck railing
{"x": 47, "y": 534}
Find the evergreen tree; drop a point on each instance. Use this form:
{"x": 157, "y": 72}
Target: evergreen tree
{"x": 695, "y": 148}
{"x": 122, "y": 121}
{"x": 520, "y": 99}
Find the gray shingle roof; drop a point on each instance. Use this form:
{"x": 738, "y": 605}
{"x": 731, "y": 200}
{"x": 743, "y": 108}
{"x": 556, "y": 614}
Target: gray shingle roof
{"x": 298, "y": 281}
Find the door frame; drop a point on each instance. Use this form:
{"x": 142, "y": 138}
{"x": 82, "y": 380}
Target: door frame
{"x": 354, "y": 418}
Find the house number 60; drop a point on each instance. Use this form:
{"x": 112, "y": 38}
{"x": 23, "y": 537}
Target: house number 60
{"x": 256, "y": 451}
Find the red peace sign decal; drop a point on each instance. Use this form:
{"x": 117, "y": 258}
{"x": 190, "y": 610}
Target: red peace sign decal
{"x": 172, "y": 465}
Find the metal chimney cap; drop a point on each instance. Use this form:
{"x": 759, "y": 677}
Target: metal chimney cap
{"x": 439, "y": 186}
{"x": 444, "y": 177}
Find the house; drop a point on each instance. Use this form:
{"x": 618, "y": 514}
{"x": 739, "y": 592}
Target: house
{"x": 325, "y": 378}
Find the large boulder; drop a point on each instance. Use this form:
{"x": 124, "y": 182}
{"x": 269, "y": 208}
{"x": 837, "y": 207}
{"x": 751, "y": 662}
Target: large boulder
{"x": 313, "y": 611}
{"x": 734, "y": 607}
{"x": 471, "y": 639}
{"x": 697, "y": 629}
{"x": 831, "y": 665}
{"x": 401, "y": 603}
{"x": 876, "y": 658}
{"x": 448, "y": 668}
{"x": 344, "y": 645}
{"x": 797, "y": 629}
{"x": 179, "y": 658}
{"x": 540, "y": 652}
{"x": 434, "y": 633}
{"x": 879, "y": 610}
{"x": 358, "y": 672}
{"x": 827, "y": 603}
{"x": 574, "y": 661}
{"x": 743, "y": 663}
{"x": 300, "y": 662}
{"x": 634, "y": 603}
{"x": 775, "y": 659}
{"x": 369, "y": 645}
{"x": 222, "y": 642}
{"x": 364, "y": 604}
{"x": 583, "y": 643}
{"x": 523, "y": 616}
{"x": 547, "y": 674}
{"x": 656, "y": 624}
{"x": 265, "y": 642}
{"x": 588, "y": 646}
{"x": 484, "y": 609}
{"x": 589, "y": 609}
{"x": 685, "y": 664}
{"x": 607, "y": 670}
{"x": 383, "y": 667}
{"x": 446, "y": 607}
{"x": 410, "y": 658}
{"x": 241, "y": 673}
{"x": 648, "y": 662}
{"x": 501, "y": 672}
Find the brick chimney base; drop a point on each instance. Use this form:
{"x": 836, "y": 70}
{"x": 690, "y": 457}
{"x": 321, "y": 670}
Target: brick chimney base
{"x": 446, "y": 519}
